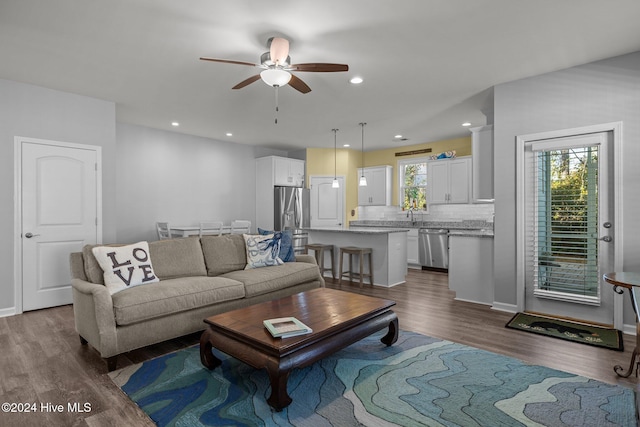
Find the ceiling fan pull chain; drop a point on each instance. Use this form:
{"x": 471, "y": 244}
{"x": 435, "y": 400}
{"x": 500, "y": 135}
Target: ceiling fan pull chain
{"x": 276, "y": 86}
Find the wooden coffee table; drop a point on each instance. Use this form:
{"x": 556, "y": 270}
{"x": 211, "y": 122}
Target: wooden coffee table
{"x": 337, "y": 318}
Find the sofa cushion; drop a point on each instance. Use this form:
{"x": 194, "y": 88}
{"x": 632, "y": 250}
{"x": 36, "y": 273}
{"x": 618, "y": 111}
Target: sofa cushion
{"x": 260, "y": 281}
{"x": 171, "y": 296}
{"x": 125, "y": 266}
{"x": 177, "y": 258}
{"x": 223, "y": 254}
{"x": 262, "y": 251}
{"x": 287, "y": 253}
{"x": 92, "y": 269}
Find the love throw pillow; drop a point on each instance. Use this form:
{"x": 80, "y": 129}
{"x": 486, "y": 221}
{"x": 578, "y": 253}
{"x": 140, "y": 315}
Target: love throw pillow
{"x": 262, "y": 251}
{"x": 287, "y": 253}
{"x": 125, "y": 266}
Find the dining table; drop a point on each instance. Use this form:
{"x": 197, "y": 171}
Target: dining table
{"x": 629, "y": 280}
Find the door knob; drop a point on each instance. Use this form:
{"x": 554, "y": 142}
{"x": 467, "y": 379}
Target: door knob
{"x": 606, "y": 239}
{"x": 30, "y": 235}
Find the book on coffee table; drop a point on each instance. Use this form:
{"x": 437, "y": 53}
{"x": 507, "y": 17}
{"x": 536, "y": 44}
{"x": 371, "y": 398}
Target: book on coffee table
{"x": 285, "y": 327}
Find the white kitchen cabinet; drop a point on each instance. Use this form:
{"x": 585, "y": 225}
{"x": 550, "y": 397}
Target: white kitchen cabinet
{"x": 471, "y": 268}
{"x": 287, "y": 172}
{"x": 272, "y": 171}
{"x": 448, "y": 181}
{"x": 413, "y": 260}
{"x": 482, "y": 164}
{"x": 377, "y": 192}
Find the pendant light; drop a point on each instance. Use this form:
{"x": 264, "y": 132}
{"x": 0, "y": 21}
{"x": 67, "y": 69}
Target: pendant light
{"x": 363, "y": 179}
{"x": 335, "y": 183}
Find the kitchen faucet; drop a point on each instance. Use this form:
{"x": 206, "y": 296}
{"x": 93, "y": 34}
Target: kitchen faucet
{"x": 410, "y": 211}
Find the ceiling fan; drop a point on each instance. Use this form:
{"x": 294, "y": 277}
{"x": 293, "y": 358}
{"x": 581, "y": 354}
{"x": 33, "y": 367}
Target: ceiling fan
{"x": 277, "y": 67}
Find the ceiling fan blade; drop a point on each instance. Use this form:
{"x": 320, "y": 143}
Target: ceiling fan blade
{"x": 279, "y": 50}
{"x": 319, "y": 67}
{"x": 228, "y": 61}
{"x": 247, "y": 82}
{"x": 299, "y": 85}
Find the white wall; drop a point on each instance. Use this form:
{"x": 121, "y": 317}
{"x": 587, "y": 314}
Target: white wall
{"x": 600, "y": 92}
{"x": 36, "y": 112}
{"x": 183, "y": 179}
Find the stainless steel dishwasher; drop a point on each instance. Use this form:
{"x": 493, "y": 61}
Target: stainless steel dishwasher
{"x": 433, "y": 248}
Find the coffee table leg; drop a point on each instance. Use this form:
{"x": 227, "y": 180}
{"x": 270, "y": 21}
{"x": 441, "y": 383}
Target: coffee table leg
{"x": 279, "y": 398}
{"x": 392, "y": 335}
{"x": 206, "y": 356}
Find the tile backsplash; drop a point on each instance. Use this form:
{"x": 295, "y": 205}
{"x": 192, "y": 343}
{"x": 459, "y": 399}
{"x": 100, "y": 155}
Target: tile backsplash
{"x": 454, "y": 212}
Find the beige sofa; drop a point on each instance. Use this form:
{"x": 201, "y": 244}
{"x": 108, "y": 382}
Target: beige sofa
{"x": 199, "y": 277}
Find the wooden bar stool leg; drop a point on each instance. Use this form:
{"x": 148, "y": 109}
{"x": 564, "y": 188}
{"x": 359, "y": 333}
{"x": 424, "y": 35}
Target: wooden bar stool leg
{"x": 333, "y": 264}
{"x": 320, "y": 260}
{"x": 341, "y": 271}
{"x": 351, "y": 268}
{"x": 371, "y": 267}
{"x": 361, "y": 259}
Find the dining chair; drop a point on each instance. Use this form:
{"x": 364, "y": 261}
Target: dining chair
{"x": 213, "y": 228}
{"x": 240, "y": 227}
{"x": 164, "y": 230}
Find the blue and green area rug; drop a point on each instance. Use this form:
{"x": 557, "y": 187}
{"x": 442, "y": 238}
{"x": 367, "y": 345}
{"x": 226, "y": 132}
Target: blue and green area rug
{"x": 419, "y": 381}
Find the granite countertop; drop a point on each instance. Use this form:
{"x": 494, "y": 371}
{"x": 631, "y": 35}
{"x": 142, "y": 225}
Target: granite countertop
{"x": 362, "y": 230}
{"x": 449, "y": 225}
{"x": 464, "y": 228}
{"x": 472, "y": 233}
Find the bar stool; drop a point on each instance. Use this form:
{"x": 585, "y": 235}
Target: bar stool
{"x": 318, "y": 250}
{"x": 361, "y": 252}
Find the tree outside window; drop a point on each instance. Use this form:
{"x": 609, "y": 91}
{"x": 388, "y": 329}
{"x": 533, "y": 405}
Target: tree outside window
{"x": 413, "y": 184}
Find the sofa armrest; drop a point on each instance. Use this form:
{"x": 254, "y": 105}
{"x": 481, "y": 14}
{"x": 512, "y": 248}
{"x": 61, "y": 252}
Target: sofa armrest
{"x": 306, "y": 258}
{"x": 94, "y": 316}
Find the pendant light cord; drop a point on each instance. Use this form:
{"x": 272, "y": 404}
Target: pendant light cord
{"x": 363, "y": 124}
{"x": 335, "y": 153}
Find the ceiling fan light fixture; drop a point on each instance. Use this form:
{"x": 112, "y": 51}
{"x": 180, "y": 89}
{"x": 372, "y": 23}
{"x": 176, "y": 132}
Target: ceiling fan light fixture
{"x": 275, "y": 77}
{"x": 279, "y": 50}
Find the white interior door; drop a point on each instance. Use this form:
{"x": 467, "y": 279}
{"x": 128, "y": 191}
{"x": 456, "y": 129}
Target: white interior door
{"x": 569, "y": 223}
{"x": 59, "y": 195}
{"x": 327, "y": 203}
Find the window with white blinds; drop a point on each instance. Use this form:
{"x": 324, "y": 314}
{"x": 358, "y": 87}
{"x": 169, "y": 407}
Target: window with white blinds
{"x": 564, "y": 221}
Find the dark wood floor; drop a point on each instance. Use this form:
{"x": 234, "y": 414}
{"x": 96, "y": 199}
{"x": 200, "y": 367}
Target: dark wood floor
{"x": 42, "y": 361}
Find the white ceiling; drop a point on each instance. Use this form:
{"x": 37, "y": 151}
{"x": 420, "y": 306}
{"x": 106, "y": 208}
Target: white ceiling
{"x": 427, "y": 65}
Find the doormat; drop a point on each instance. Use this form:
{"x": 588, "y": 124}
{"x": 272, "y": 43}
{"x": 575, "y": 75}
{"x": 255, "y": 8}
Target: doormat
{"x": 570, "y": 331}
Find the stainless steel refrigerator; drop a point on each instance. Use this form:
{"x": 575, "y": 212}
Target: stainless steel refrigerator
{"x": 291, "y": 212}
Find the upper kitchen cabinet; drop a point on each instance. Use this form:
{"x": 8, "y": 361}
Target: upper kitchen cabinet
{"x": 482, "y": 152}
{"x": 448, "y": 180}
{"x": 377, "y": 192}
{"x": 280, "y": 171}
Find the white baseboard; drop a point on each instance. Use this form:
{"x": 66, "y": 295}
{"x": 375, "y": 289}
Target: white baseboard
{"x": 6, "y": 312}
{"x": 509, "y": 308}
{"x": 470, "y": 300}
{"x": 629, "y": 329}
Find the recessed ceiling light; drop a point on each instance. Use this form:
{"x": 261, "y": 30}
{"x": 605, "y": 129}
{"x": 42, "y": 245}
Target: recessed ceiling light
{"x": 398, "y": 136}
{"x": 346, "y": 145}
{"x": 229, "y": 134}
{"x": 175, "y": 124}
{"x": 356, "y": 80}
{"x": 466, "y": 124}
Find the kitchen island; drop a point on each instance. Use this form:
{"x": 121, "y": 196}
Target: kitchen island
{"x": 389, "y": 250}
